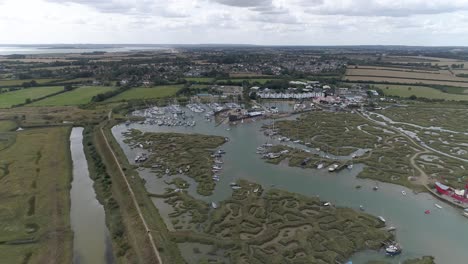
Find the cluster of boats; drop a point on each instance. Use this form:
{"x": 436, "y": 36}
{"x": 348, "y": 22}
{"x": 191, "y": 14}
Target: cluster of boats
{"x": 218, "y": 164}
{"x": 196, "y": 108}
{"x": 141, "y": 158}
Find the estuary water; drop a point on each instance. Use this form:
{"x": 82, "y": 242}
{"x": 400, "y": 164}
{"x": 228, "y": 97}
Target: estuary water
{"x": 91, "y": 241}
{"x": 442, "y": 234}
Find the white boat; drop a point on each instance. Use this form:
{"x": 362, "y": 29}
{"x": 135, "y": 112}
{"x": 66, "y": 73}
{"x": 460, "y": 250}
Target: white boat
{"x": 214, "y": 205}
{"x": 255, "y": 190}
{"x": 465, "y": 214}
{"x": 167, "y": 171}
{"x": 236, "y": 187}
{"x": 403, "y": 192}
{"x": 216, "y": 167}
{"x": 137, "y": 158}
{"x": 333, "y": 167}
{"x": 438, "y": 206}
{"x": 320, "y": 166}
{"x": 350, "y": 166}
{"x": 393, "y": 250}
{"x": 381, "y": 219}
{"x": 327, "y": 204}
{"x": 361, "y": 208}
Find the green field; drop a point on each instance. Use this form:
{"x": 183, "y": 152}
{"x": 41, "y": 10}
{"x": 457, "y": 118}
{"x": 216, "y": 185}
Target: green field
{"x": 200, "y": 79}
{"x": 147, "y": 93}
{"x": 34, "y": 214}
{"x": 19, "y": 82}
{"x": 259, "y": 80}
{"x": 7, "y": 125}
{"x": 9, "y": 99}
{"x": 419, "y": 91}
{"x": 78, "y": 96}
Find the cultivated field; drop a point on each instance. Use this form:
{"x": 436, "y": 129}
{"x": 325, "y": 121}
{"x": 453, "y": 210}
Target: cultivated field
{"x": 78, "y": 96}
{"x": 35, "y": 175}
{"x": 9, "y": 99}
{"x": 19, "y": 82}
{"x": 419, "y": 91}
{"x": 403, "y": 81}
{"x": 404, "y": 73}
{"x": 147, "y": 93}
{"x": 423, "y": 59}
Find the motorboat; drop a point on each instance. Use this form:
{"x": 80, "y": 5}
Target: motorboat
{"x": 438, "y": 206}
{"x": 381, "y": 219}
{"x": 214, "y": 205}
{"x": 403, "y": 192}
{"x": 393, "y": 249}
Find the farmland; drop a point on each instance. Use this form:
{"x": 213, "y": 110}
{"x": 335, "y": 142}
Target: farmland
{"x": 9, "y": 99}
{"x": 420, "y": 91}
{"x": 5, "y": 83}
{"x": 34, "y": 215}
{"x": 78, "y": 96}
{"x": 147, "y": 93}
{"x": 404, "y": 75}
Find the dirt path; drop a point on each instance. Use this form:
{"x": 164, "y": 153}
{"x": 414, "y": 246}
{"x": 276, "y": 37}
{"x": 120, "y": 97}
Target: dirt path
{"x": 135, "y": 202}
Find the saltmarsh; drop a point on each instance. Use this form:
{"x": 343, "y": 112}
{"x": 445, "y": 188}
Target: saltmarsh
{"x": 188, "y": 154}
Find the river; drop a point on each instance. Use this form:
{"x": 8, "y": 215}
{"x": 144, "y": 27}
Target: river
{"x": 442, "y": 234}
{"x": 91, "y": 241}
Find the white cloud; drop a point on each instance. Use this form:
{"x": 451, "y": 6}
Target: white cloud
{"x": 311, "y": 22}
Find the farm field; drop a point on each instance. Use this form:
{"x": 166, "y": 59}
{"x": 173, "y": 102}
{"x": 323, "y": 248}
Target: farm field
{"x": 9, "y": 99}
{"x": 199, "y": 79}
{"x": 146, "y": 93}
{"x": 253, "y": 80}
{"x": 419, "y": 91}
{"x": 379, "y": 79}
{"x": 19, "y": 82}
{"x": 34, "y": 214}
{"x": 78, "y": 96}
{"x": 423, "y": 59}
{"x": 404, "y": 73}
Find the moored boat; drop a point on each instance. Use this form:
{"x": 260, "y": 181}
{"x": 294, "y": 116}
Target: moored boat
{"x": 393, "y": 249}
{"x": 438, "y": 206}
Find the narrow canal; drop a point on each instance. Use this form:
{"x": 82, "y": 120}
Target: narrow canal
{"x": 91, "y": 241}
{"x": 443, "y": 233}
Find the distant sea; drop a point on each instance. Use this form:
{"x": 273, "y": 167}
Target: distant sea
{"x": 44, "y": 49}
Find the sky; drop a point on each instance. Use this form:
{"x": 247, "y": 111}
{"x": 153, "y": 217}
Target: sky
{"x": 262, "y": 22}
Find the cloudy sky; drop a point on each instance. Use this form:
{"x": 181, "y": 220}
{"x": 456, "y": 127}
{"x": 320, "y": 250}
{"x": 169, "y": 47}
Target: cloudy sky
{"x": 279, "y": 22}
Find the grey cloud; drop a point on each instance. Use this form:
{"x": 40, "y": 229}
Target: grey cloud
{"x": 140, "y": 7}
